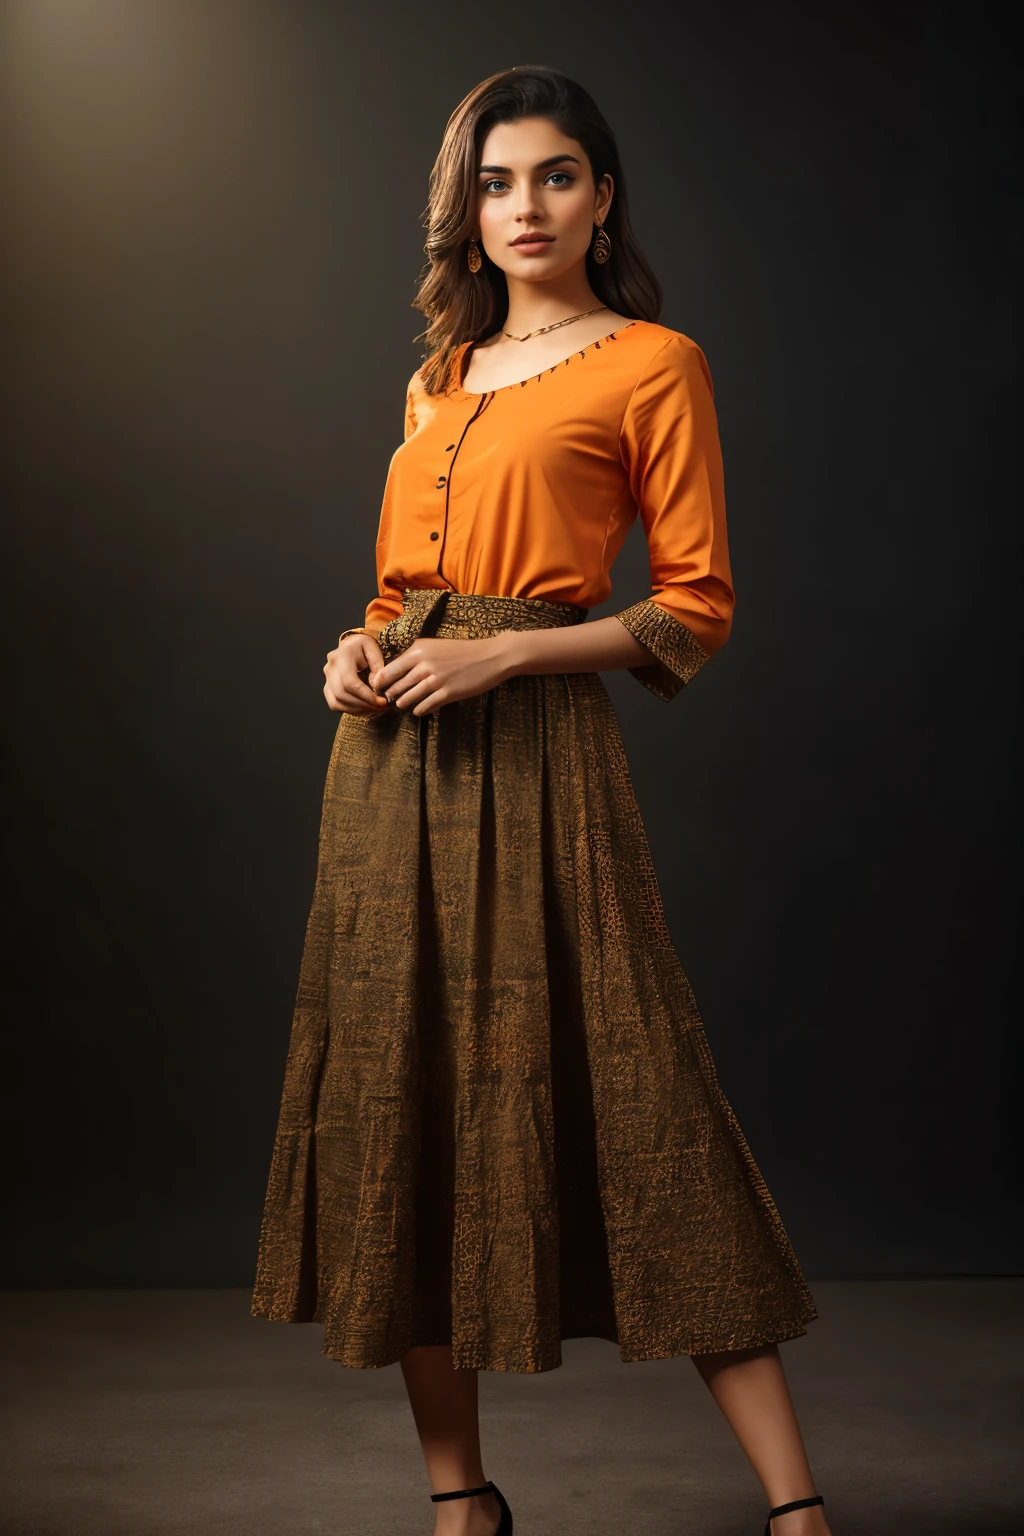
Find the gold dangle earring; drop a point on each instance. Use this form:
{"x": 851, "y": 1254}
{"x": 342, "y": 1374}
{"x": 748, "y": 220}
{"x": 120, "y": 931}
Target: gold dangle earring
{"x": 474, "y": 260}
{"x": 602, "y": 247}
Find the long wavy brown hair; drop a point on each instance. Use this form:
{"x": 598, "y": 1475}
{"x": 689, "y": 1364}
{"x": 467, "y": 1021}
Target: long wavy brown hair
{"x": 463, "y": 306}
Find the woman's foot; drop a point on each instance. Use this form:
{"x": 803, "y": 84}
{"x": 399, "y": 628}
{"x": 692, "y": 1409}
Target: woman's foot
{"x": 478, "y": 1516}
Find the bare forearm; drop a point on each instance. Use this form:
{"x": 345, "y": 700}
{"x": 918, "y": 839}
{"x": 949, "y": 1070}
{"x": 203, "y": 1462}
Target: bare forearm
{"x": 602, "y": 646}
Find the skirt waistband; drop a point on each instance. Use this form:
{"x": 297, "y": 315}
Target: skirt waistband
{"x": 445, "y": 615}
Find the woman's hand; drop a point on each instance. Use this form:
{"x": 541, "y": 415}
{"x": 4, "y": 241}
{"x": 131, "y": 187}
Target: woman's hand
{"x": 344, "y": 689}
{"x": 435, "y": 672}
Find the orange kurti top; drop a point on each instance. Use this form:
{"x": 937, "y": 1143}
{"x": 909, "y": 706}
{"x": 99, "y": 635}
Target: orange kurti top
{"x": 530, "y": 490}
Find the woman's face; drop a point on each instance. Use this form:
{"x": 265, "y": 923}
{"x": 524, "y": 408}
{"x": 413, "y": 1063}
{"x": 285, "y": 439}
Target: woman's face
{"x": 536, "y": 199}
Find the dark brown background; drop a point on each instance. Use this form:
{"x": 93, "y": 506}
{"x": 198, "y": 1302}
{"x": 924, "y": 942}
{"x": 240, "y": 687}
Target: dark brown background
{"x": 212, "y": 236}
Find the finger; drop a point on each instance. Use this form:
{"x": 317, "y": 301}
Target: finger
{"x": 419, "y": 689}
{"x": 408, "y": 690}
{"x": 353, "y": 706}
{"x": 357, "y": 653}
{"x": 344, "y": 678}
{"x": 398, "y": 690}
{"x": 340, "y": 700}
{"x": 361, "y": 690}
{"x": 432, "y": 703}
{"x": 373, "y": 655}
{"x": 401, "y": 665}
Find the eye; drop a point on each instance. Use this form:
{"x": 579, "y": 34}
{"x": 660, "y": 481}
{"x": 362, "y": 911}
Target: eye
{"x": 560, "y": 178}
{"x": 494, "y": 183}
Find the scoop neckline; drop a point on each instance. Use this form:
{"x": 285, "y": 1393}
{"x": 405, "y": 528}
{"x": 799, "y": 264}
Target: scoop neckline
{"x": 458, "y": 387}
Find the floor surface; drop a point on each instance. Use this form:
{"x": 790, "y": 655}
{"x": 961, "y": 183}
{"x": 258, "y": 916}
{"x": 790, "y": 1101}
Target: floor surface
{"x": 159, "y": 1413}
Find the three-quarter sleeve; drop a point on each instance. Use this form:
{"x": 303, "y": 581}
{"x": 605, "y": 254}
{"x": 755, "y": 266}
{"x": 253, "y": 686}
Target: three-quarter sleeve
{"x": 387, "y": 605}
{"x": 671, "y": 452}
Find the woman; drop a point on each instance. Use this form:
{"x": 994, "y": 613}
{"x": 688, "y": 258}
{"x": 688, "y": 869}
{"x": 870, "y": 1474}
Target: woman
{"x": 501, "y": 1125}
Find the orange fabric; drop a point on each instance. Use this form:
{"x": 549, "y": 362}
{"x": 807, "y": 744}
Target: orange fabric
{"x": 531, "y": 489}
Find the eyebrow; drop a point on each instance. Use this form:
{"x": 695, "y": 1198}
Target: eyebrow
{"x": 542, "y": 165}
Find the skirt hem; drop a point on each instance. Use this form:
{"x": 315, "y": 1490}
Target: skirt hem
{"x": 468, "y": 1360}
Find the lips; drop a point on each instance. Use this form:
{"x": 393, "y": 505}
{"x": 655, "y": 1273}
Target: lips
{"x": 534, "y": 238}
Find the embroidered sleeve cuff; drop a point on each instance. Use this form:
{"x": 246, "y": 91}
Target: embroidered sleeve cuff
{"x": 679, "y": 652}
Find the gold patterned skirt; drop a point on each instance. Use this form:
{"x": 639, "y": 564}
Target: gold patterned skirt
{"x": 501, "y": 1124}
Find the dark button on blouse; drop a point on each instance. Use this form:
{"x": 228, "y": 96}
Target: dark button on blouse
{"x": 435, "y": 536}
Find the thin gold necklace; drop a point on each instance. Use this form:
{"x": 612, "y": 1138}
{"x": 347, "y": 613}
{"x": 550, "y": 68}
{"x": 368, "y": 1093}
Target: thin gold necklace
{"x": 543, "y": 329}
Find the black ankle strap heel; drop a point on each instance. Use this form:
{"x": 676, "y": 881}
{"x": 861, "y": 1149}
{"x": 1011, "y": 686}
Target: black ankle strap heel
{"x": 784, "y": 1509}
{"x": 505, "y": 1526}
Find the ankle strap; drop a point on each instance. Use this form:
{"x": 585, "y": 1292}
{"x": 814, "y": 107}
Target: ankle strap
{"x": 461, "y": 1493}
{"x": 784, "y": 1509}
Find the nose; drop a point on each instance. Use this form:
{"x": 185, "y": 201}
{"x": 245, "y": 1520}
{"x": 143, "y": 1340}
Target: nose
{"x": 529, "y": 210}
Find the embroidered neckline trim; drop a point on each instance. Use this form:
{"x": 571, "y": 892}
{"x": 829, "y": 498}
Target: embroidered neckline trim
{"x": 459, "y": 390}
